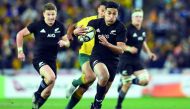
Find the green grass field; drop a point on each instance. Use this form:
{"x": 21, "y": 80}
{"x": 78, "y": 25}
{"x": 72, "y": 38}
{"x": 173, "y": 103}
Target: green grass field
{"x": 141, "y": 103}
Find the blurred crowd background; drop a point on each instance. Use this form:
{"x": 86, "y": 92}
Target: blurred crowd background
{"x": 167, "y": 23}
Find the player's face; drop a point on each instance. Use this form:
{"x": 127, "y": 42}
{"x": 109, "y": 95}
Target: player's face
{"x": 101, "y": 11}
{"x": 50, "y": 16}
{"x": 137, "y": 20}
{"x": 111, "y": 16}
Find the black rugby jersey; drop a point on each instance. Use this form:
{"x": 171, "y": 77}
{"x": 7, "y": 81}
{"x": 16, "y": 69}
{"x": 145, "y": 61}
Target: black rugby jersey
{"x": 113, "y": 33}
{"x": 46, "y": 39}
{"x": 135, "y": 38}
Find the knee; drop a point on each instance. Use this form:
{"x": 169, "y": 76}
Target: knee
{"x": 103, "y": 79}
{"x": 50, "y": 79}
{"x": 47, "y": 93}
{"x": 90, "y": 77}
{"x": 125, "y": 87}
{"x": 144, "y": 82}
{"x": 143, "y": 79}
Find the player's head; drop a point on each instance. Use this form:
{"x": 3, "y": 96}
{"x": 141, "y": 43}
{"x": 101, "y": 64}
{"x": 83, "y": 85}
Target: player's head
{"x": 111, "y": 12}
{"x": 137, "y": 17}
{"x": 101, "y": 9}
{"x": 49, "y": 13}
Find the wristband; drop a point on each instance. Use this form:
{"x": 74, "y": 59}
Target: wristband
{"x": 20, "y": 50}
{"x": 128, "y": 49}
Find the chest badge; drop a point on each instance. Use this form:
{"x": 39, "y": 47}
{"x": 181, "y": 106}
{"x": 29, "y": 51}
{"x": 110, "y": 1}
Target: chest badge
{"x": 113, "y": 32}
{"x": 57, "y": 30}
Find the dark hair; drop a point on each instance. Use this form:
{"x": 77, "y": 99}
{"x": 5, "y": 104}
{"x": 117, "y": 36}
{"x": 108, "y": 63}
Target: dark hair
{"x": 49, "y": 6}
{"x": 103, "y": 3}
{"x": 112, "y": 5}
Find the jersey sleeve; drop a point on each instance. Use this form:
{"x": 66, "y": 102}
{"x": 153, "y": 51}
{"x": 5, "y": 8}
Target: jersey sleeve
{"x": 32, "y": 27}
{"x": 144, "y": 34}
{"x": 92, "y": 23}
{"x": 62, "y": 30}
{"x": 121, "y": 35}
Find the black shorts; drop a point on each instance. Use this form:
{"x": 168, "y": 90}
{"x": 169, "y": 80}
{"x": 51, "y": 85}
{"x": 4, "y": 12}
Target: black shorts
{"x": 128, "y": 68}
{"x": 38, "y": 63}
{"x": 111, "y": 65}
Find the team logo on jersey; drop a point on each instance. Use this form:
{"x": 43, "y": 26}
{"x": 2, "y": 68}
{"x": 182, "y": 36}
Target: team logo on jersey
{"x": 124, "y": 72}
{"x": 113, "y": 32}
{"x": 104, "y": 35}
{"x": 140, "y": 38}
{"x": 57, "y": 30}
{"x": 144, "y": 34}
{"x": 42, "y": 31}
{"x": 51, "y": 35}
{"x": 134, "y": 34}
{"x": 95, "y": 62}
{"x": 41, "y": 64}
{"x": 98, "y": 30}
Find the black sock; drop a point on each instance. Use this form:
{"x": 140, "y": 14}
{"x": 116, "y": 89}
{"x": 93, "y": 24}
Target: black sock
{"x": 135, "y": 81}
{"x": 42, "y": 86}
{"x": 41, "y": 101}
{"x": 75, "y": 98}
{"x": 120, "y": 98}
{"x": 100, "y": 94}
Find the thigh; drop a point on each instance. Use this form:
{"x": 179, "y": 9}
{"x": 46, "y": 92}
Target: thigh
{"x": 47, "y": 72}
{"x": 125, "y": 69}
{"x": 99, "y": 67}
{"x": 45, "y": 68}
{"x": 112, "y": 68}
{"x": 83, "y": 58}
{"x": 138, "y": 66}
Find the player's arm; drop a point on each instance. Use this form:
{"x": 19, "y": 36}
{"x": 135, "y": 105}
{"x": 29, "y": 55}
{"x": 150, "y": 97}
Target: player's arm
{"x": 130, "y": 49}
{"x": 19, "y": 37}
{"x": 115, "y": 48}
{"x": 64, "y": 42}
{"x": 19, "y": 41}
{"x": 148, "y": 51}
{"x": 77, "y": 28}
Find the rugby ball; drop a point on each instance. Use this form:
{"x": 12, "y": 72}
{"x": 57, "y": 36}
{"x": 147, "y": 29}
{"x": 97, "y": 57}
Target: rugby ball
{"x": 90, "y": 33}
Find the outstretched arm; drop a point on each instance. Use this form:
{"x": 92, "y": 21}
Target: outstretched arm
{"x": 64, "y": 42}
{"x": 148, "y": 51}
{"x": 19, "y": 42}
{"x": 74, "y": 30}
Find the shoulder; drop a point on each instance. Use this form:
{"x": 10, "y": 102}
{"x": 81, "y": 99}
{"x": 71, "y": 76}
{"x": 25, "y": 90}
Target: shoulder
{"x": 36, "y": 23}
{"x": 143, "y": 29}
{"x": 95, "y": 21}
{"x": 120, "y": 25}
{"x": 85, "y": 20}
{"x": 58, "y": 23}
{"x": 92, "y": 17}
{"x": 129, "y": 26}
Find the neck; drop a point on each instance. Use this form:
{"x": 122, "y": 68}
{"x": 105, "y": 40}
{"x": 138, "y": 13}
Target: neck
{"x": 49, "y": 24}
{"x": 107, "y": 24}
{"x": 138, "y": 26}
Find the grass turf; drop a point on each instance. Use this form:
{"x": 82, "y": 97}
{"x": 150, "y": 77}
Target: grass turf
{"x": 140, "y": 103}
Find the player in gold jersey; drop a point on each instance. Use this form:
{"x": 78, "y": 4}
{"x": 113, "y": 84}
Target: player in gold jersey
{"x": 80, "y": 86}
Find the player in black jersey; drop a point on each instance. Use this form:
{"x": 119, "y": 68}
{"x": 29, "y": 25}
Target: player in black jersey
{"x": 49, "y": 36}
{"x": 109, "y": 39}
{"x": 130, "y": 66}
